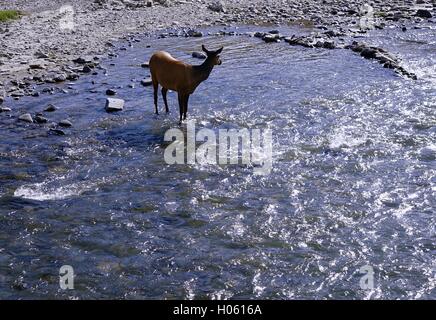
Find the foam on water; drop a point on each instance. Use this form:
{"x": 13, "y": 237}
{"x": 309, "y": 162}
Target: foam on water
{"x": 47, "y": 191}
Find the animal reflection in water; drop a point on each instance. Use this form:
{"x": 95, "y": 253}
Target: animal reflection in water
{"x": 176, "y": 75}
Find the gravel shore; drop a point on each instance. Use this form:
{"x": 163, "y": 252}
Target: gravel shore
{"x": 41, "y": 47}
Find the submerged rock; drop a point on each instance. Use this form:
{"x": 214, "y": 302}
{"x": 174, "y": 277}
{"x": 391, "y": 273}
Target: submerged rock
{"x": 113, "y": 105}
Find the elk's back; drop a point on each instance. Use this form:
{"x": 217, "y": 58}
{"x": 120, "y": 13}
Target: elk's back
{"x": 169, "y": 72}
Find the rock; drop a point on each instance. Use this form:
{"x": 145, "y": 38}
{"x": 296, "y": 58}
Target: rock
{"x": 194, "y": 33}
{"x": 216, "y": 6}
{"x": 329, "y": 45}
{"x": 82, "y": 60}
{"x": 58, "y": 132}
{"x": 86, "y": 69}
{"x": 65, "y": 123}
{"x": 40, "y": 119}
{"x": 145, "y": 65}
{"x": 60, "y": 78}
{"x": 26, "y": 118}
{"x": 423, "y": 13}
{"x": 51, "y": 108}
{"x": 72, "y": 76}
{"x": 369, "y": 53}
{"x": 40, "y": 55}
{"x": 1, "y": 99}
{"x": 17, "y": 93}
{"x": 111, "y": 92}
{"x": 199, "y": 55}
{"x": 146, "y": 82}
{"x": 113, "y": 105}
{"x": 165, "y": 3}
{"x": 271, "y": 38}
{"x": 36, "y": 66}
{"x": 5, "y": 109}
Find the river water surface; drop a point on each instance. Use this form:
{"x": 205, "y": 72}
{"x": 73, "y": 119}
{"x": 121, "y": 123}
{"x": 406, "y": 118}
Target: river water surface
{"x": 352, "y": 182}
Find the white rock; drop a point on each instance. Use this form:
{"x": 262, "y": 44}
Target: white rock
{"x": 113, "y": 104}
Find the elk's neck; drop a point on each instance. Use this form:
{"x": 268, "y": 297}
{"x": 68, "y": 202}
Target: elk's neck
{"x": 202, "y": 72}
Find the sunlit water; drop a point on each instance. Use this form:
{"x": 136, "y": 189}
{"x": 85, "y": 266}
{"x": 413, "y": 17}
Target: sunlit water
{"x": 352, "y": 182}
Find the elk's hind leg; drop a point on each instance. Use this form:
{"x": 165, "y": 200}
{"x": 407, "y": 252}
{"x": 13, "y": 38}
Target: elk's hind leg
{"x": 155, "y": 88}
{"x": 164, "y": 96}
{"x": 181, "y": 108}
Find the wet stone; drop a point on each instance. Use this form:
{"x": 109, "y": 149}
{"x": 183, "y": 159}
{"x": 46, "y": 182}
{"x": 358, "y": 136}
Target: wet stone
{"x": 26, "y": 118}
{"x": 146, "y": 82}
{"x": 40, "y": 119}
{"x": 111, "y": 92}
{"x": 5, "y": 109}
{"x": 58, "y": 132}
{"x": 65, "y": 123}
{"x": 51, "y": 108}
{"x": 113, "y": 105}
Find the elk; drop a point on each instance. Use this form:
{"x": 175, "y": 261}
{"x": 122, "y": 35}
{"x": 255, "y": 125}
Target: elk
{"x": 176, "y": 75}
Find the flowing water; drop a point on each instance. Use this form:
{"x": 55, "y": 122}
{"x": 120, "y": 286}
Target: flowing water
{"x": 352, "y": 182}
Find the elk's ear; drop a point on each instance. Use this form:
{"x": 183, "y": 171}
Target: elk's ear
{"x": 204, "y": 49}
{"x": 219, "y": 50}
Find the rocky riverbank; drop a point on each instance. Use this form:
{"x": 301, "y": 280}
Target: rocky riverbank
{"x": 58, "y": 41}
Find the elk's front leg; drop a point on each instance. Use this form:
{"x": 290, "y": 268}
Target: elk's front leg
{"x": 155, "y": 87}
{"x": 185, "y": 106}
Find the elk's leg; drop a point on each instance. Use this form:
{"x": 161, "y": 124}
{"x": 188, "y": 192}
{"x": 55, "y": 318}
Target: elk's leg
{"x": 185, "y": 106}
{"x": 181, "y": 99}
{"x": 155, "y": 87}
{"x": 164, "y": 96}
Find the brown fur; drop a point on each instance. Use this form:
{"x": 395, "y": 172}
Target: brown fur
{"x": 176, "y": 75}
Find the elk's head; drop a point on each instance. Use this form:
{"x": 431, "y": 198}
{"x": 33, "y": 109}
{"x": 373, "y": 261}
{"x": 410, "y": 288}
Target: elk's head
{"x": 214, "y": 56}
